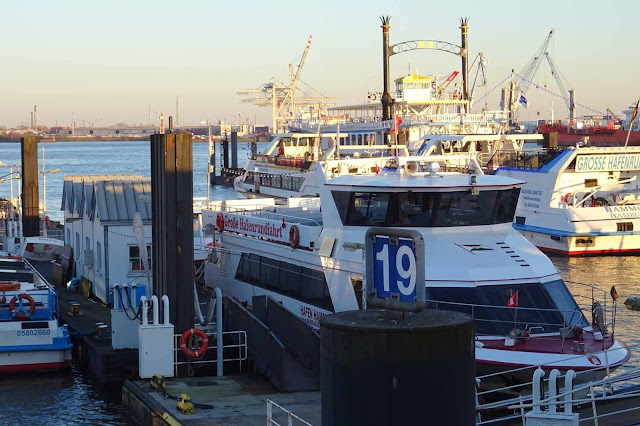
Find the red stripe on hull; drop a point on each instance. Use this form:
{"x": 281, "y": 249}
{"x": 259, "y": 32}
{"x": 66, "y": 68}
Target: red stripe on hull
{"x": 44, "y": 366}
{"x": 512, "y": 366}
{"x": 589, "y": 252}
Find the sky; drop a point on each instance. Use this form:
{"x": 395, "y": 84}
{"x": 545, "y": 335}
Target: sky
{"x": 105, "y": 62}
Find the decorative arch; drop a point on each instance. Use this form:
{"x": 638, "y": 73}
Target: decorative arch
{"x": 443, "y": 46}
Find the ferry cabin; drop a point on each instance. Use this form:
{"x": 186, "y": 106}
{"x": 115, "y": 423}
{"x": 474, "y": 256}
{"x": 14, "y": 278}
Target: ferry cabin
{"x": 580, "y": 201}
{"x": 294, "y": 164}
{"x": 474, "y": 260}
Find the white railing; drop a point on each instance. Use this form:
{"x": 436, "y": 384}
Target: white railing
{"x": 589, "y": 392}
{"x": 240, "y": 346}
{"x": 290, "y": 416}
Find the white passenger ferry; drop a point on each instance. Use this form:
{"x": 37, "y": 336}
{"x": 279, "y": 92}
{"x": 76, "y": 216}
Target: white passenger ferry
{"x": 307, "y": 256}
{"x": 30, "y": 337}
{"x": 294, "y": 164}
{"x": 579, "y": 201}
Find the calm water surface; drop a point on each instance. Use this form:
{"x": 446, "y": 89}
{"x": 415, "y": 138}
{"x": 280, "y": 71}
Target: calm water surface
{"x": 84, "y": 158}
{"x": 68, "y": 398}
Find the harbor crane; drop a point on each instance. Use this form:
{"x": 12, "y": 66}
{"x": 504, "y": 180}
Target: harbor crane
{"x": 529, "y": 72}
{"x": 481, "y": 71}
{"x": 282, "y": 98}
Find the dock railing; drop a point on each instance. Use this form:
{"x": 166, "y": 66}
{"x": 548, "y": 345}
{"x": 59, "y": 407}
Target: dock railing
{"x": 238, "y": 348}
{"x": 512, "y": 402}
{"x": 291, "y": 418}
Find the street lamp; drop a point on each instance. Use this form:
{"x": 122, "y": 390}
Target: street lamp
{"x": 44, "y": 197}
{"x": 10, "y": 176}
{"x": 11, "y": 166}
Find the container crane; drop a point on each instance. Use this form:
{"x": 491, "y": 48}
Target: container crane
{"x": 481, "y": 71}
{"x": 281, "y": 98}
{"x": 528, "y": 73}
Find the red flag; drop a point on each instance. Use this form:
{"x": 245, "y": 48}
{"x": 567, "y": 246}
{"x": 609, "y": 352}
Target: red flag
{"x": 635, "y": 113}
{"x": 513, "y": 300}
{"x": 377, "y": 169}
{"x": 396, "y": 124}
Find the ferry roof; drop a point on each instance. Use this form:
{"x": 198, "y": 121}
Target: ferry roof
{"x": 388, "y": 181}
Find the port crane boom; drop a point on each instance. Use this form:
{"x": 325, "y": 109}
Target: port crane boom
{"x": 281, "y": 98}
{"x": 528, "y": 73}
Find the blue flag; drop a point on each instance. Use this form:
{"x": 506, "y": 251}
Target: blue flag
{"x": 523, "y": 101}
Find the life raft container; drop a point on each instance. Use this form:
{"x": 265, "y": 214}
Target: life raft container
{"x": 23, "y": 314}
{"x": 204, "y": 343}
{"x": 294, "y": 236}
{"x": 9, "y": 285}
{"x": 220, "y": 221}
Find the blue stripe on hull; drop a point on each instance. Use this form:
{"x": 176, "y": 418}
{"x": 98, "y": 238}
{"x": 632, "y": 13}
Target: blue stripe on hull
{"x": 58, "y": 344}
{"x": 559, "y": 233}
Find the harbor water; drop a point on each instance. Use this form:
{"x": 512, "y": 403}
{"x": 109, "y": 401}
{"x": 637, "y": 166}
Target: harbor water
{"x": 69, "y": 398}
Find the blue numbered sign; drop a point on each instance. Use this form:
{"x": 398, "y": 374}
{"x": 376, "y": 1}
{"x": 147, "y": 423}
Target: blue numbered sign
{"x": 395, "y": 269}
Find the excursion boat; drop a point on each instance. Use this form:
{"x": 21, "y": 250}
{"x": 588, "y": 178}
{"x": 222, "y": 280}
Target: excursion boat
{"x": 308, "y": 256}
{"x": 30, "y": 337}
{"x": 290, "y": 166}
{"x": 579, "y": 201}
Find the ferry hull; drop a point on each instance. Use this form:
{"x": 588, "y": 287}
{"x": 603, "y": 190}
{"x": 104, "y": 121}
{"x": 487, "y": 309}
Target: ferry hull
{"x": 592, "y": 245}
{"x": 509, "y": 367}
{"x": 41, "y": 360}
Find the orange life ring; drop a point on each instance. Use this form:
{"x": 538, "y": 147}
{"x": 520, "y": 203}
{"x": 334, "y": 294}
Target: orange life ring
{"x": 566, "y": 198}
{"x": 22, "y": 315}
{"x": 220, "y": 221}
{"x": 294, "y": 236}
{"x": 203, "y": 345}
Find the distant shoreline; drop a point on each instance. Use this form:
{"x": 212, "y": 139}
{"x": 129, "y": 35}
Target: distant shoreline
{"x": 69, "y": 138}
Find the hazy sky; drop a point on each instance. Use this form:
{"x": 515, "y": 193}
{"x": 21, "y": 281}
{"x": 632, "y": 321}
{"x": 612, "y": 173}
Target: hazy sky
{"x": 104, "y": 62}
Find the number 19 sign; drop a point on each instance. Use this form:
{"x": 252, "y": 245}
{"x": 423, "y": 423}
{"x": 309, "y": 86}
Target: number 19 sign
{"x": 395, "y": 269}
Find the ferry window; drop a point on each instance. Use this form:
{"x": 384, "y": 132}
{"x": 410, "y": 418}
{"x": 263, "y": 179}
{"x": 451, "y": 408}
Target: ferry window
{"x": 426, "y": 209}
{"x": 359, "y": 139}
{"x": 135, "y": 262}
{"x": 368, "y": 208}
{"x": 366, "y": 139}
{"x": 625, "y": 226}
{"x": 286, "y": 141}
{"x": 305, "y": 284}
{"x": 546, "y": 307}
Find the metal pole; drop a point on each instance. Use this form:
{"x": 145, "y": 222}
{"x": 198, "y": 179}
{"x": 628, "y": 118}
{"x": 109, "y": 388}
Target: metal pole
{"x": 44, "y": 197}
{"x": 44, "y": 201}
{"x": 11, "y": 174}
{"x": 386, "y": 97}
{"x": 208, "y": 164}
{"x": 630, "y": 125}
{"x": 465, "y": 72}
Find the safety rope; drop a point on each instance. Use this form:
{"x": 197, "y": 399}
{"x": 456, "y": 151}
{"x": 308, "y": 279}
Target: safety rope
{"x": 489, "y": 92}
{"x": 566, "y": 99}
